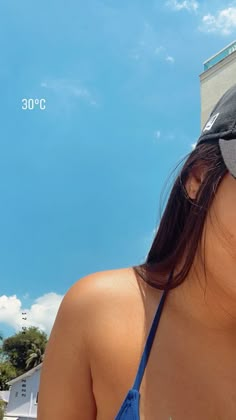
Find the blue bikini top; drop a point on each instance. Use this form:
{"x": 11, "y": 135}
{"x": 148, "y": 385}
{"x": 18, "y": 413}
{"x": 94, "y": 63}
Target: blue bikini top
{"x": 129, "y": 409}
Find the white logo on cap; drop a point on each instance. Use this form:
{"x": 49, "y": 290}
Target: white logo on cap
{"x": 211, "y": 122}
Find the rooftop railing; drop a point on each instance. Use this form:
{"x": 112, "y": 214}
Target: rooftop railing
{"x": 220, "y": 56}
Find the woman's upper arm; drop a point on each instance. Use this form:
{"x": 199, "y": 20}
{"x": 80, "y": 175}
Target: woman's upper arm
{"x": 65, "y": 389}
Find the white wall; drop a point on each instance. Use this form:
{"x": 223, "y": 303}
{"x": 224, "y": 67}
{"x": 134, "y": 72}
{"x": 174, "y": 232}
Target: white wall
{"x": 214, "y": 82}
{"x": 24, "y": 403}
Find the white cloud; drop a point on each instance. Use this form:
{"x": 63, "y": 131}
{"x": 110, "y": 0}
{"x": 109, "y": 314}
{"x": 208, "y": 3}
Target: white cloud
{"x": 193, "y": 145}
{"x": 159, "y": 49}
{"x": 224, "y": 22}
{"x": 190, "y": 5}
{"x": 69, "y": 88}
{"x": 41, "y": 314}
{"x": 170, "y": 59}
{"x": 157, "y": 135}
{"x": 167, "y": 137}
{"x": 147, "y": 46}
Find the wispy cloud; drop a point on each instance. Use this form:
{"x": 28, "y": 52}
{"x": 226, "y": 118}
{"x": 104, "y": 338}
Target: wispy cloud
{"x": 170, "y": 59}
{"x": 189, "y": 5}
{"x": 166, "y": 137}
{"x": 147, "y": 47}
{"x": 166, "y": 57}
{"x": 157, "y": 135}
{"x": 224, "y": 22}
{"x": 69, "y": 88}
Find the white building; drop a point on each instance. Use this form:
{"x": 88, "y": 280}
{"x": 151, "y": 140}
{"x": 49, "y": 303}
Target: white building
{"x": 218, "y": 76}
{"x": 23, "y": 396}
{"x": 4, "y": 395}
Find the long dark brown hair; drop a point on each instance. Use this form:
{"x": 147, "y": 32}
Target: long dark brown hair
{"x": 181, "y": 226}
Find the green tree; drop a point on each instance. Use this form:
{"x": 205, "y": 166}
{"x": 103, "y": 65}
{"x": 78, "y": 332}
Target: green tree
{"x": 25, "y": 349}
{"x": 1, "y": 351}
{"x": 35, "y": 356}
{"x": 7, "y": 372}
{"x": 2, "y": 409}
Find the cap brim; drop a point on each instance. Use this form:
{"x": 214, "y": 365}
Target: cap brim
{"x": 228, "y": 151}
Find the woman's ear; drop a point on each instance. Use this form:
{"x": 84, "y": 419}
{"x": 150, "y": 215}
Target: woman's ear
{"x": 195, "y": 179}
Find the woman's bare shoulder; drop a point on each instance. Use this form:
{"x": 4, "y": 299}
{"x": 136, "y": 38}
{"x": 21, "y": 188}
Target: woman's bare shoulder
{"x": 107, "y": 298}
{"x": 105, "y": 283}
{"x": 113, "y": 290}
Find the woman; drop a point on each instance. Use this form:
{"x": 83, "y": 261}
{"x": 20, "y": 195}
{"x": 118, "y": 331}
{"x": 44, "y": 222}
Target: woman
{"x": 105, "y": 332}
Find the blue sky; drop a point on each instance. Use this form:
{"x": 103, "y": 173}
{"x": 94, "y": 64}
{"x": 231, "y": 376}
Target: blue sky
{"x": 81, "y": 180}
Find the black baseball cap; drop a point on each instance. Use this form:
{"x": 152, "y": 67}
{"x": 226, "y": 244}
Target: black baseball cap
{"x": 221, "y": 126}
